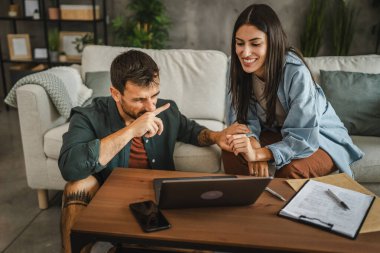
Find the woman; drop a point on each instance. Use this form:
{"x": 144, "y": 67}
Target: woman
{"x": 273, "y": 92}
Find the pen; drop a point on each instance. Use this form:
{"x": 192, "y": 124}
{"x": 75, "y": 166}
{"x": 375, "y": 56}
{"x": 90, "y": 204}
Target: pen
{"x": 250, "y": 135}
{"x": 336, "y": 198}
{"x": 275, "y": 193}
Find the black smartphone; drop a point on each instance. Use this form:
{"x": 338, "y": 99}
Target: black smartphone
{"x": 149, "y": 216}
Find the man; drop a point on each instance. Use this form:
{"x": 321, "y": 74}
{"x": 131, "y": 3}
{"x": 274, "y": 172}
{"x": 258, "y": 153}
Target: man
{"x": 132, "y": 128}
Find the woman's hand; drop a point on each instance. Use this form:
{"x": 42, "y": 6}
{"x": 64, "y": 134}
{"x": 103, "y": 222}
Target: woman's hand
{"x": 255, "y": 143}
{"x": 258, "y": 169}
{"x": 249, "y": 148}
{"x": 241, "y": 144}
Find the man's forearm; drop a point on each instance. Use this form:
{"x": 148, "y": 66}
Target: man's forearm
{"x": 207, "y": 137}
{"x": 112, "y": 144}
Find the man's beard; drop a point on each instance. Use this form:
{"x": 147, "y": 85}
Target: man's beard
{"x": 131, "y": 114}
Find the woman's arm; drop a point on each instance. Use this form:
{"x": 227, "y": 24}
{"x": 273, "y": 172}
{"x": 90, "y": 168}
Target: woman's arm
{"x": 300, "y": 131}
{"x": 250, "y": 149}
{"x": 301, "y": 127}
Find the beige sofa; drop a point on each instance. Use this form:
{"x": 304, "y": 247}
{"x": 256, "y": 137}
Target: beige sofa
{"x": 196, "y": 80}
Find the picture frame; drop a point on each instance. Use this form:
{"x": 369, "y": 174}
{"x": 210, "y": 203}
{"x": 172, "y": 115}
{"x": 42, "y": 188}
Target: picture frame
{"x": 30, "y": 7}
{"x": 67, "y": 44}
{"x": 19, "y": 47}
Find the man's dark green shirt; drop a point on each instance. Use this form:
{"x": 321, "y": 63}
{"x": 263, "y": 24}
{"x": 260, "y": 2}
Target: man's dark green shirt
{"x": 80, "y": 150}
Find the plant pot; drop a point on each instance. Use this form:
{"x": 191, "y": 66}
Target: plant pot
{"x": 62, "y": 58}
{"x": 53, "y": 56}
{"x": 53, "y": 13}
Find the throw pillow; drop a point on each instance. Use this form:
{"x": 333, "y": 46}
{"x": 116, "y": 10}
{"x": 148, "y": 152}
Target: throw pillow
{"x": 99, "y": 82}
{"x": 72, "y": 81}
{"x": 355, "y": 98}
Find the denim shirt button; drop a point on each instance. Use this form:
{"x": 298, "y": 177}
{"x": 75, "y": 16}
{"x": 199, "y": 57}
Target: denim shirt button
{"x": 146, "y": 141}
{"x": 153, "y": 160}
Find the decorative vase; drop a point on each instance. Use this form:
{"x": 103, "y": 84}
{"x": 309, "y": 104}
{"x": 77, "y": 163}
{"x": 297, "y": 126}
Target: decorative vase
{"x": 53, "y": 56}
{"x": 53, "y": 13}
{"x": 62, "y": 58}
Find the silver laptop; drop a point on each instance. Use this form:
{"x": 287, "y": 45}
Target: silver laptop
{"x": 208, "y": 191}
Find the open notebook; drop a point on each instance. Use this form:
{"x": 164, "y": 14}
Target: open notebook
{"x": 314, "y": 205}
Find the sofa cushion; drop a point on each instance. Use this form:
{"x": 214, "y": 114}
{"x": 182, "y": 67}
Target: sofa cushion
{"x": 197, "y": 159}
{"x": 53, "y": 141}
{"x": 359, "y": 63}
{"x": 186, "y": 157}
{"x": 195, "y": 79}
{"x": 367, "y": 169}
{"x": 99, "y": 82}
{"x": 361, "y": 116}
{"x": 211, "y": 124}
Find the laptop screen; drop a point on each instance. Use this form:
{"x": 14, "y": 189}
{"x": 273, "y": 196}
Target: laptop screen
{"x": 208, "y": 191}
{"x": 157, "y": 182}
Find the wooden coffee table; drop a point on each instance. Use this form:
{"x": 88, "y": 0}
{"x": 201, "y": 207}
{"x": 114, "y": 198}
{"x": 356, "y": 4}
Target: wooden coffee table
{"x": 236, "y": 229}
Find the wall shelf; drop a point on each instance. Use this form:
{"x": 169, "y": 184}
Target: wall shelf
{"x": 51, "y": 20}
{"x": 96, "y": 26}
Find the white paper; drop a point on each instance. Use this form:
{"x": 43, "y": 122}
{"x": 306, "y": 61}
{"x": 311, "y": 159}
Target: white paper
{"x": 19, "y": 47}
{"x": 30, "y": 6}
{"x": 313, "y": 204}
{"x": 40, "y": 53}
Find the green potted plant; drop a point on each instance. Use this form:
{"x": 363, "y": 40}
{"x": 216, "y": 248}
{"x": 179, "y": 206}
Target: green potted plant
{"x": 146, "y": 27}
{"x": 53, "y": 40}
{"x": 344, "y": 23}
{"x": 81, "y": 42}
{"x": 376, "y": 27}
{"x": 314, "y": 28}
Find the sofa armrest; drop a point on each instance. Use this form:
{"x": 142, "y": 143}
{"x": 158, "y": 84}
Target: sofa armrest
{"x": 77, "y": 67}
{"x": 37, "y": 115}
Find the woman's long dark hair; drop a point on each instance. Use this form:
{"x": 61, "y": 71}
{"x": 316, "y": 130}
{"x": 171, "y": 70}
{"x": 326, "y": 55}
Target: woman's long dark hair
{"x": 265, "y": 19}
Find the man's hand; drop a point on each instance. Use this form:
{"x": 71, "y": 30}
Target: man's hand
{"x": 148, "y": 124}
{"x": 235, "y": 128}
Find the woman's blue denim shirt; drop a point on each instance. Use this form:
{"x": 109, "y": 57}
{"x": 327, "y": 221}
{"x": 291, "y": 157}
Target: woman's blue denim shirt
{"x": 311, "y": 121}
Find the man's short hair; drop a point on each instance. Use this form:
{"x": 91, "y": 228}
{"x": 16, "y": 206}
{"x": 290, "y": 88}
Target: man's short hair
{"x": 134, "y": 66}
